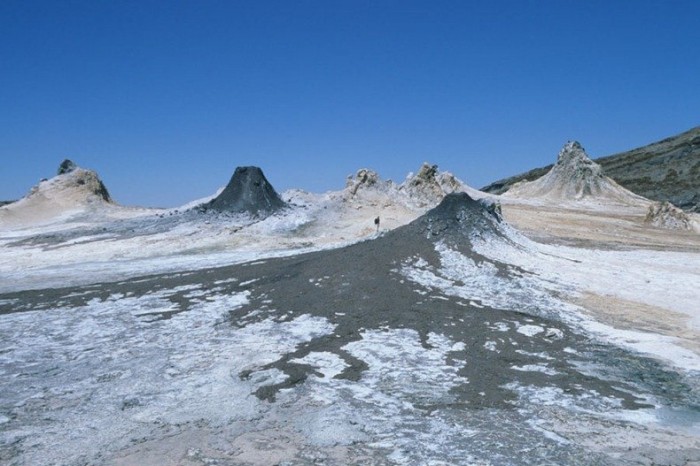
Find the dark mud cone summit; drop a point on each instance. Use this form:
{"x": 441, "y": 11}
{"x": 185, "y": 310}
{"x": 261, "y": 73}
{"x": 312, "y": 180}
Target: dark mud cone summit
{"x": 459, "y": 217}
{"x": 371, "y": 287}
{"x": 247, "y": 192}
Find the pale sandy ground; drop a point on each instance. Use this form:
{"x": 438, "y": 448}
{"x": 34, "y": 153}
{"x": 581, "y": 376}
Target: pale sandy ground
{"x": 621, "y": 230}
{"x": 599, "y": 227}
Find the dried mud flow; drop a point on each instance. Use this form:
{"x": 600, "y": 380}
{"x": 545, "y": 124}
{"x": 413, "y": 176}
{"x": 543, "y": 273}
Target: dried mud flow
{"x": 361, "y": 288}
{"x": 248, "y": 192}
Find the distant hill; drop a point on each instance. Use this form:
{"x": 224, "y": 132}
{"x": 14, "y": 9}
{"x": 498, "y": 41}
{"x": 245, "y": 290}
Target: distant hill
{"x": 668, "y": 170}
{"x": 575, "y": 178}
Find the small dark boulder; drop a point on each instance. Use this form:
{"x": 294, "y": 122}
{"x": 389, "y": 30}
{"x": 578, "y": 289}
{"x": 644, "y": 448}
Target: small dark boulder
{"x": 66, "y": 166}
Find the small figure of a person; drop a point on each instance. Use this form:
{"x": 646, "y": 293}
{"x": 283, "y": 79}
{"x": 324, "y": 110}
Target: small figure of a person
{"x": 376, "y": 223}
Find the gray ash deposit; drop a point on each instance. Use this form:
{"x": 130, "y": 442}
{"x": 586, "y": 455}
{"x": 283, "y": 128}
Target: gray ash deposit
{"x": 383, "y": 352}
{"x": 247, "y": 192}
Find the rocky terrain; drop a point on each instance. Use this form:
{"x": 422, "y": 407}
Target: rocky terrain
{"x": 666, "y": 215}
{"x": 668, "y": 170}
{"x": 557, "y": 324}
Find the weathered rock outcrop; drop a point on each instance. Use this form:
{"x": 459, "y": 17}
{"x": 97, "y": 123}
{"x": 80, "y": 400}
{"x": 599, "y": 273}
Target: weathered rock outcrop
{"x": 363, "y": 179}
{"x": 666, "y": 215}
{"x": 429, "y": 186}
{"x": 73, "y": 191}
{"x": 72, "y": 185}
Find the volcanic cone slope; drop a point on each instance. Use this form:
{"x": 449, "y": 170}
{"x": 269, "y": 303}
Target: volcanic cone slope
{"x": 411, "y": 344}
{"x": 575, "y": 177}
{"x": 667, "y": 170}
{"x": 73, "y": 190}
{"x": 249, "y": 192}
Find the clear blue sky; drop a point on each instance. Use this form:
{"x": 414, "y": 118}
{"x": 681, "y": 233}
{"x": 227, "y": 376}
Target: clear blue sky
{"x": 165, "y": 98}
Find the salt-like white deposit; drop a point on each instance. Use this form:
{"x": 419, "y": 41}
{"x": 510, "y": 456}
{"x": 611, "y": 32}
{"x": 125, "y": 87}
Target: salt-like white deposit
{"x": 136, "y": 378}
{"x": 107, "y": 373}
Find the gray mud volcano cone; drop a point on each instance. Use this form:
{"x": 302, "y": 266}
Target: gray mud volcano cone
{"x": 458, "y": 218}
{"x": 248, "y": 192}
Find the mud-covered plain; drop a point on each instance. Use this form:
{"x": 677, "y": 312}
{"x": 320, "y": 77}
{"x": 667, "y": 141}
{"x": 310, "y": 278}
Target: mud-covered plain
{"x": 409, "y": 348}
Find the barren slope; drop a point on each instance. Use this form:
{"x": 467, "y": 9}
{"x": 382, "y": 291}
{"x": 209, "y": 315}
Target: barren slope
{"x": 575, "y": 180}
{"x": 426, "y": 345}
{"x": 668, "y": 170}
